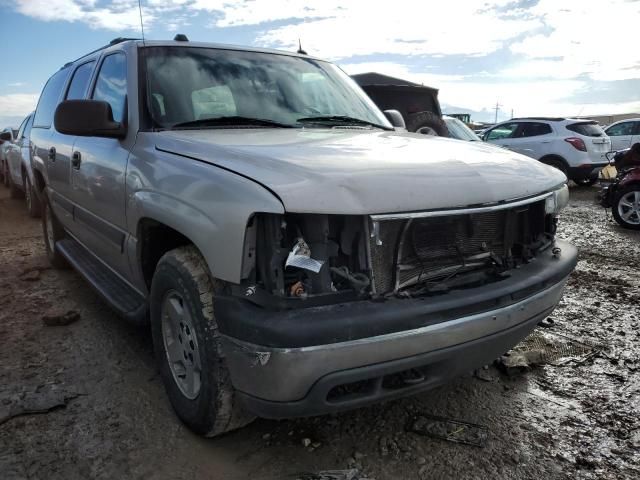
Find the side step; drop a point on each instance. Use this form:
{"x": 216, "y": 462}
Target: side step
{"x": 120, "y": 296}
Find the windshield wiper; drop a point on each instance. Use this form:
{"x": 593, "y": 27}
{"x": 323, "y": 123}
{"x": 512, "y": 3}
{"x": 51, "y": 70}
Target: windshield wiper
{"x": 234, "y": 120}
{"x": 340, "y": 120}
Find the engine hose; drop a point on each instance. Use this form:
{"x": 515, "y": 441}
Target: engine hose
{"x": 358, "y": 281}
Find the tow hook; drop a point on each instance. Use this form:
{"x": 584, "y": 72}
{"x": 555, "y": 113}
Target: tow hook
{"x": 556, "y": 252}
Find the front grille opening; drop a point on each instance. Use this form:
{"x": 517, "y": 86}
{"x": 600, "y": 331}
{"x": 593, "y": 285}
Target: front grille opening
{"x": 423, "y": 251}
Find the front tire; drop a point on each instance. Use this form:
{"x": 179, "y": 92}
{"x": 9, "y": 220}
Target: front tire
{"x": 626, "y": 207}
{"x": 587, "y": 182}
{"x": 34, "y": 206}
{"x": 14, "y": 191}
{"x": 53, "y": 232}
{"x": 186, "y": 343}
{"x": 5, "y": 173}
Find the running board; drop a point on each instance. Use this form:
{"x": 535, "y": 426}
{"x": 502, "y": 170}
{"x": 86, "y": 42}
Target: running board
{"x": 117, "y": 293}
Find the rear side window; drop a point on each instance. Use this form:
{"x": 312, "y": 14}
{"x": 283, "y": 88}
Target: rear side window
{"x": 503, "y": 131}
{"x": 111, "y": 85}
{"x": 588, "y": 129}
{"x": 49, "y": 99}
{"x": 535, "y": 129}
{"x": 23, "y": 127}
{"x": 80, "y": 81}
{"x": 625, "y": 128}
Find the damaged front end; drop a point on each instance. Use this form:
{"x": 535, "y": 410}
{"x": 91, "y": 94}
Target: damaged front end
{"x": 300, "y": 260}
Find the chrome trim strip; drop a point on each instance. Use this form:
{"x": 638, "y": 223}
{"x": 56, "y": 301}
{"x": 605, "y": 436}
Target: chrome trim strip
{"x": 460, "y": 211}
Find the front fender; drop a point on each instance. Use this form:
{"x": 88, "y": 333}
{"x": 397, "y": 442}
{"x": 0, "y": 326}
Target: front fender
{"x": 633, "y": 176}
{"x": 208, "y": 205}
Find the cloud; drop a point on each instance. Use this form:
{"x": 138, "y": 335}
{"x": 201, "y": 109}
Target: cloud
{"x": 16, "y": 84}
{"x": 15, "y": 106}
{"x": 599, "y": 42}
{"x": 117, "y": 15}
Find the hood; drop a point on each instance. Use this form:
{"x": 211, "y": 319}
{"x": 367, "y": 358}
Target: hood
{"x": 341, "y": 171}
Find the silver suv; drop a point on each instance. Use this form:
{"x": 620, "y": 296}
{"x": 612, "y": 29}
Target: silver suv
{"x": 294, "y": 254}
{"x": 576, "y": 147}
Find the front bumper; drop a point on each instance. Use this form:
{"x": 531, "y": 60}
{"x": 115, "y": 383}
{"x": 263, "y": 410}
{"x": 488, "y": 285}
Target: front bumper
{"x": 451, "y": 334}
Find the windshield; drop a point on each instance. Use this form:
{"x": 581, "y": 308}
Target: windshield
{"x": 189, "y": 84}
{"x": 459, "y": 130}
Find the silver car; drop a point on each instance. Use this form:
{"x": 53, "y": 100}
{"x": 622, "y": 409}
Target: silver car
{"x": 294, "y": 253}
{"x": 19, "y": 171}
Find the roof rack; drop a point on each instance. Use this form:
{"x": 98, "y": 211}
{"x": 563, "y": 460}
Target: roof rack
{"x": 113, "y": 42}
{"x": 550, "y": 119}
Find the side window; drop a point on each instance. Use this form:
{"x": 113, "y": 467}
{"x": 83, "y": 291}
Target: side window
{"x": 213, "y": 102}
{"x": 49, "y": 99}
{"x": 625, "y": 128}
{"x": 502, "y": 131}
{"x": 23, "y": 125}
{"x": 111, "y": 85}
{"x": 535, "y": 129}
{"x": 636, "y": 131}
{"x": 80, "y": 81}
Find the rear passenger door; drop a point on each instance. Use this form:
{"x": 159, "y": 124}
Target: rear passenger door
{"x": 532, "y": 139}
{"x": 98, "y": 172}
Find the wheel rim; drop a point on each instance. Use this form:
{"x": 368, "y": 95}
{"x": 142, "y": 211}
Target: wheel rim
{"x": 427, "y": 131}
{"x": 181, "y": 345}
{"x": 629, "y": 207}
{"x": 49, "y": 227}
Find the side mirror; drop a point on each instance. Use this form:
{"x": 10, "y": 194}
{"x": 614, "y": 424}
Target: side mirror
{"x": 87, "y": 118}
{"x": 395, "y": 118}
{"x": 5, "y": 137}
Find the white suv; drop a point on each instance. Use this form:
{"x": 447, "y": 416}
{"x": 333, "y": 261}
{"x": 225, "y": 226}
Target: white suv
{"x": 577, "y": 147}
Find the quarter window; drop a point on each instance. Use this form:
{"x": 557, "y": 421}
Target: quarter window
{"x": 80, "y": 81}
{"x": 49, "y": 99}
{"x": 111, "y": 85}
{"x": 502, "y": 131}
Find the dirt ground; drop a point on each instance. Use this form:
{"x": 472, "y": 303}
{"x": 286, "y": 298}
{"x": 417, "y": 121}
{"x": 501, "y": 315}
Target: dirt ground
{"x": 84, "y": 400}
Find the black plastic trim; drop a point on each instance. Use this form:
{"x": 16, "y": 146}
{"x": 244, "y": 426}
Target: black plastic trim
{"x": 322, "y": 325}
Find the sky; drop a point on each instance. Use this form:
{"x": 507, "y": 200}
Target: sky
{"x": 532, "y": 57}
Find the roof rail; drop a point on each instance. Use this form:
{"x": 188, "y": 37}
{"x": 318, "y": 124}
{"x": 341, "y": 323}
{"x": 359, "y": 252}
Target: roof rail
{"x": 115, "y": 41}
{"x": 550, "y": 119}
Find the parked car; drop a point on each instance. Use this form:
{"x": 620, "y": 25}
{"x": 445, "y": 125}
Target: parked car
{"x": 458, "y": 130}
{"x": 575, "y": 147}
{"x": 624, "y": 133}
{"x": 294, "y": 254}
{"x": 622, "y": 193}
{"x": 7, "y": 136}
{"x": 18, "y": 156}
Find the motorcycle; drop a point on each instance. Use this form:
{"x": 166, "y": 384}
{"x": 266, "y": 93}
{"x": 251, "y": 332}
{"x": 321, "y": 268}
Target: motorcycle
{"x": 622, "y": 193}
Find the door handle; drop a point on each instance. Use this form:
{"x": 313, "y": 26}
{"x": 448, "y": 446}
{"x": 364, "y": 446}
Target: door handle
{"x": 76, "y": 159}
{"x": 52, "y": 154}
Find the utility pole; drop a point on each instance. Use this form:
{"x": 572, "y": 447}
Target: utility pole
{"x": 512, "y": 113}
{"x": 497, "y": 108}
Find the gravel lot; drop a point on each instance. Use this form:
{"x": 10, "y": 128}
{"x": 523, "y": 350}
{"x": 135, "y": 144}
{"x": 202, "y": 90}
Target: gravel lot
{"x": 84, "y": 400}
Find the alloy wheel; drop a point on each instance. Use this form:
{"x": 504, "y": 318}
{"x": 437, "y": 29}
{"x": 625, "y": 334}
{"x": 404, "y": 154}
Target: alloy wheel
{"x": 629, "y": 207}
{"x": 181, "y": 344}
